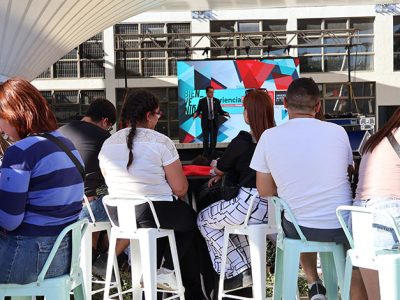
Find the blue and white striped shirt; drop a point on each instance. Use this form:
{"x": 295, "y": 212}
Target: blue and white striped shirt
{"x": 41, "y": 190}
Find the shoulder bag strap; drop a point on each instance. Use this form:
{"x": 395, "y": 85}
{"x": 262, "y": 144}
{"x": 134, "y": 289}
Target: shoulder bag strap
{"x": 64, "y": 148}
{"x": 394, "y": 143}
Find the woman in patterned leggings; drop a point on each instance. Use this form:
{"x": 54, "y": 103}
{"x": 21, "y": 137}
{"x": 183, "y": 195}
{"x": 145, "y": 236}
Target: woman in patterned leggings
{"x": 259, "y": 114}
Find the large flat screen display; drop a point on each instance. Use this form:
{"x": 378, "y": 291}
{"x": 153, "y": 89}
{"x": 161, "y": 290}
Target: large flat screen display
{"x": 230, "y": 79}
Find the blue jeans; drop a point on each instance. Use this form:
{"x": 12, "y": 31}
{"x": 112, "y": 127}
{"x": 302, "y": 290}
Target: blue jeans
{"x": 98, "y": 210}
{"x": 23, "y": 257}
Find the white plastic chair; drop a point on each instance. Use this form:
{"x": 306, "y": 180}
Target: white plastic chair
{"x": 86, "y": 255}
{"x": 257, "y": 236}
{"x": 143, "y": 249}
{"x": 364, "y": 254}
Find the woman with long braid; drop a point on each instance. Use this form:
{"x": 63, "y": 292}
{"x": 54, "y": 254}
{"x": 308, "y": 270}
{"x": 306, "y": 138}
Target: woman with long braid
{"x": 137, "y": 160}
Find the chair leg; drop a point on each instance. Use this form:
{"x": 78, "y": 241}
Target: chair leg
{"x": 136, "y": 269}
{"x": 116, "y": 272}
{"x": 175, "y": 260}
{"x": 329, "y": 274}
{"x": 278, "y": 274}
{"x": 79, "y": 293}
{"x": 291, "y": 260}
{"x": 54, "y": 293}
{"x": 110, "y": 261}
{"x": 339, "y": 257}
{"x": 86, "y": 262}
{"x": 148, "y": 250}
{"x": 345, "y": 292}
{"x": 223, "y": 264}
{"x": 258, "y": 254}
{"x": 389, "y": 276}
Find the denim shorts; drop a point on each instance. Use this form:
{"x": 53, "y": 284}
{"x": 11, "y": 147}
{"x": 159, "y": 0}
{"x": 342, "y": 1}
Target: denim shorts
{"x": 384, "y": 236}
{"x": 23, "y": 257}
{"x": 98, "y": 210}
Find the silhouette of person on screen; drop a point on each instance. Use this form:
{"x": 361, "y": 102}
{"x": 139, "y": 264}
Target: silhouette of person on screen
{"x": 209, "y": 108}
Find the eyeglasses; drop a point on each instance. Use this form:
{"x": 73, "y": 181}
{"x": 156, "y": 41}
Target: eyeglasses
{"x": 159, "y": 113}
{"x": 110, "y": 126}
{"x": 259, "y": 89}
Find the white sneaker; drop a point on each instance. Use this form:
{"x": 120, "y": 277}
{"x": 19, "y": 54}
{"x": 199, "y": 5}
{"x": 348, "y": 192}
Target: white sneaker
{"x": 166, "y": 280}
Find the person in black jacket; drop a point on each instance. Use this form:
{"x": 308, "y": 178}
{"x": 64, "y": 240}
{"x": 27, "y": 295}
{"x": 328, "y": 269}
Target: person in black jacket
{"x": 259, "y": 114}
{"x": 209, "y": 108}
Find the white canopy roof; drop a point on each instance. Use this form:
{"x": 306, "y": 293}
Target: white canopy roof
{"x": 36, "y": 33}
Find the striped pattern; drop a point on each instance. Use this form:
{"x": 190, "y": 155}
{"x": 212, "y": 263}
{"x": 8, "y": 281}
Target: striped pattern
{"x": 212, "y": 220}
{"x": 41, "y": 190}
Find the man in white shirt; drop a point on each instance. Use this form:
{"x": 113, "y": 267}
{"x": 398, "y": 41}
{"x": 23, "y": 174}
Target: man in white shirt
{"x": 305, "y": 161}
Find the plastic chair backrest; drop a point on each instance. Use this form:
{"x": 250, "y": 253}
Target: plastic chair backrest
{"x": 282, "y": 206}
{"x": 361, "y": 236}
{"x": 77, "y": 229}
{"x": 271, "y": 212}
{"x": 125, "y": 208}
{"x": 89, "y": 208}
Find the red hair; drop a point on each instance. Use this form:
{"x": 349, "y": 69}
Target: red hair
{"x": 24, "y": 107}
{"x": 260, "y": 112}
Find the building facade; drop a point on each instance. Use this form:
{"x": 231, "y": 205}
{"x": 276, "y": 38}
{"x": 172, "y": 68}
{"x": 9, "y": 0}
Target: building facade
{"x": 96, "y": 68}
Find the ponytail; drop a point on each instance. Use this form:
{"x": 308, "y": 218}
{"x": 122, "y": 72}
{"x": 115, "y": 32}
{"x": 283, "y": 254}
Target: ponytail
{"x": 134, "y": 110}
{"x": 129, "y": 142}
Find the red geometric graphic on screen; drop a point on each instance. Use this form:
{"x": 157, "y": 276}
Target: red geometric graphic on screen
{"x": 282, "y": 81}
{"x": 253, "y": 73}
{"x": 188, "y": 138}
{"x": 216, "y": 85}
{"x": 271, "y": 94}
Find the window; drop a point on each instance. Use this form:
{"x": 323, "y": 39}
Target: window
{"x": 87, "y": 60}
{"x": 168, "y": 124}
{"x": 71, "y": 105}
{"x": 385, "y": 112}
{"x": 334, "y": 58}
{"x": 335, "y": 98}
{"x": 46, "y": 74}
{"x": 254, "y": 37}
{"x": 92, "y": 57}
{"x": 396, "y": 43}
{"x": 149, "y": 63}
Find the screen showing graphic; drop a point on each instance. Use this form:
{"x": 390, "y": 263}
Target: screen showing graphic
{"x": 230, "y": 79}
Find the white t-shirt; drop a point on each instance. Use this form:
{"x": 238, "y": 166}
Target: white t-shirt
{"x": 151, "y": 152}
{"x": 308, "y": 160}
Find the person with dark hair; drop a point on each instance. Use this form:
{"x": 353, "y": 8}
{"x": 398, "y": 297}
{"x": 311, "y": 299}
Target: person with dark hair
{"x": 305, "y": 161}
{"x": 379, "y": 188}
{"x": 41, "y": 188}
{"x": 88, "y": 135}
{"x": 209, "y": 108}
{"x": 259, "y": 114}
{"x": 138, "y": 160}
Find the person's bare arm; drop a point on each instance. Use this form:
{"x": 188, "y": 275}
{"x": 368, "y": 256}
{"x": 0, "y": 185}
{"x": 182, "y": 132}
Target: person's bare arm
{"x": 265, "y": 184}
{"x": 176, "y": 179}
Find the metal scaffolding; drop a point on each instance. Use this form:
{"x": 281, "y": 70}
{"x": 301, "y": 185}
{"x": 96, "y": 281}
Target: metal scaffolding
{"x": 263, "y": 40}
